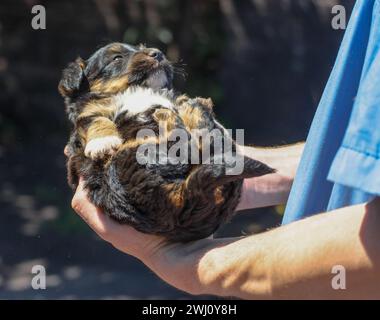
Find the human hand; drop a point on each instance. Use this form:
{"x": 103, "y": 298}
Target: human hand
{"x": 138, "y": 244}
{"x": 178, "y": 264}
{"x": 123, "y": 237}
{"x": 185, "y": 266}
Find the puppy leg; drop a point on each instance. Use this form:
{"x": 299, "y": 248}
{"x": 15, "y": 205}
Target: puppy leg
{"x": 196, "y": 113}
{"x": 102, "y": 138}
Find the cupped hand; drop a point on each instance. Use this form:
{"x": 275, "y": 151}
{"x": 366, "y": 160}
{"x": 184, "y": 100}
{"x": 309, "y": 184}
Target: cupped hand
{"x": 122, "y": 237}
{"x": 178, "y": 264}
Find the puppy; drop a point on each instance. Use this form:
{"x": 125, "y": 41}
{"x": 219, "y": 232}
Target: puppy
{"x": 119, "y": 92}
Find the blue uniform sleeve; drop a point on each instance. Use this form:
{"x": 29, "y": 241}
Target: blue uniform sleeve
{"x": 357, "y": 162}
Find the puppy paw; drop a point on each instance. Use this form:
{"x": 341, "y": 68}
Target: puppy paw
{"x": 98, "y": 147}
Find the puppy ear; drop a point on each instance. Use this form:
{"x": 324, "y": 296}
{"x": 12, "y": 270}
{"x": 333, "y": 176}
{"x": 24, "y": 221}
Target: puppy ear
{"x": 254, "y": 168}
{"x": 73, "y": 79}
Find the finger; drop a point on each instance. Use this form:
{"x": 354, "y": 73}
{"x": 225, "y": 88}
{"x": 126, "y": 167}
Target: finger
{"x": 123, "y": 237}
{"x": 103, "y": 225}
{"x": 66, "y": 151}
{"x": 93, "y": 216}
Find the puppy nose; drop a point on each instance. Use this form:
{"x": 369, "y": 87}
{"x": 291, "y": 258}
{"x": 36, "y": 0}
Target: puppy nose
{"x": 156, "y": 54}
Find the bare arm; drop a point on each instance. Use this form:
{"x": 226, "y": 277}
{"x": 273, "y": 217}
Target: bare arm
{"x": 294, "y": 261}
{"x": 272, "y": 189}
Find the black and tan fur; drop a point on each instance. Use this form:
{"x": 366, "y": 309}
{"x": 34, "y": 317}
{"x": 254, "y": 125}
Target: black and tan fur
{"x": 181, "y": 202}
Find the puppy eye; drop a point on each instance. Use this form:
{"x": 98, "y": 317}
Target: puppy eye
{"x": 118, "y": 57}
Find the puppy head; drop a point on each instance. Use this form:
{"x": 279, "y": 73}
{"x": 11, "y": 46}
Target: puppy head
{"x": 114, "y": 68}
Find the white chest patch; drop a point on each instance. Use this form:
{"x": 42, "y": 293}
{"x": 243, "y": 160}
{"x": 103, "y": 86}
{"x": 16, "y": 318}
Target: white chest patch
{"x": 136, "y": 100}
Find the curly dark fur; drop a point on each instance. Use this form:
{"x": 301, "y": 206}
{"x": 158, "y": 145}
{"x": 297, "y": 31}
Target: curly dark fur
{"x": 181, "y": 202}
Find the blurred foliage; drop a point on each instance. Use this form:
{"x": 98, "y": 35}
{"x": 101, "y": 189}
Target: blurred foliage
{"x": 264, "y": 63}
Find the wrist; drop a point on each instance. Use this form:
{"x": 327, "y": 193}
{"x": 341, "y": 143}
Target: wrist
{"x": 209, "y": 273}
{"x": 229, "y": 271}
{"x": 189, "y": 267}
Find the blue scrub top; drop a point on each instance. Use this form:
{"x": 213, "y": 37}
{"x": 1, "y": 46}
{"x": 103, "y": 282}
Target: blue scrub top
{"x": 341, "y": 162}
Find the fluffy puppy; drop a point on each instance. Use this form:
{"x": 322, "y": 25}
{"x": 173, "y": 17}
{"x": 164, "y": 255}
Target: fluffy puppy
{"x": 110, "y": 98}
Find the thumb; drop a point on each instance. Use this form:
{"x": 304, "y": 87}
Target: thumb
{"x": 91, "y": 214}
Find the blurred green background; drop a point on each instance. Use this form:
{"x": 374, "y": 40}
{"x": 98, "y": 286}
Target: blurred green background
{"x": 263, "y": 62}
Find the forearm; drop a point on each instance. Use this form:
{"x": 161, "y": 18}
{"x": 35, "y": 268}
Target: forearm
{"x": 272, "y": 189}
{"x": 294, "y": 261}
